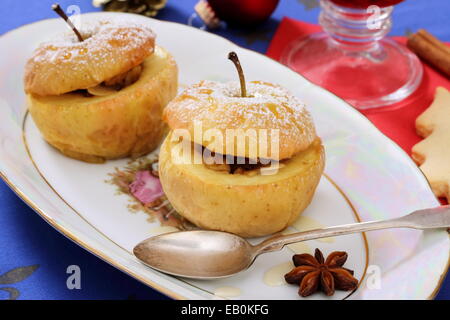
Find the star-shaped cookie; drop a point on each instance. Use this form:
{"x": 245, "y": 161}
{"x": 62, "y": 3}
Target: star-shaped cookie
{"x": 433, "y": 153}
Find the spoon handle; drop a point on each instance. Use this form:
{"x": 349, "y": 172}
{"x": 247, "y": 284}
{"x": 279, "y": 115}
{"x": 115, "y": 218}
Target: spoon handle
{"x": 438, "y": 217}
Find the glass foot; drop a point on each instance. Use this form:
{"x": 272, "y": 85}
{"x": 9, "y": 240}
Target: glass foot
{"x": 380, "y": 74}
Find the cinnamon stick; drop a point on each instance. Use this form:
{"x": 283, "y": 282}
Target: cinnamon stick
{"x": 430, "y": 49}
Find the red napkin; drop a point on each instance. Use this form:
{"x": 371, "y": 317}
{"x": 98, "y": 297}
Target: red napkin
{"x": 396, "y": 121}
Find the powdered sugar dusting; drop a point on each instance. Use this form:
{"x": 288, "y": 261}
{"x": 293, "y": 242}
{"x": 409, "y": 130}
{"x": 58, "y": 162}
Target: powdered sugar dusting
{"x": 130, "y": 34}
{"x": 64, "y": 64}
{"x": 268, "y": 106}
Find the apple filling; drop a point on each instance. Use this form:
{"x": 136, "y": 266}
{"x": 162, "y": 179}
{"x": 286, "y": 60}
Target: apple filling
{"x": 114, "y": 84}
{"x": 233, "y": 164}
{"x": 124, "y": 79}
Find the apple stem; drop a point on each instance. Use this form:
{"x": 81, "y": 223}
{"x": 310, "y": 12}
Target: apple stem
{"x": 233, "y": 57}
{"x": 56, "y": 7}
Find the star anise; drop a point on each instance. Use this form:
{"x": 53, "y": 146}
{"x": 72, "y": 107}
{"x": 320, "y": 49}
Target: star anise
{"x": 316, "y": 273}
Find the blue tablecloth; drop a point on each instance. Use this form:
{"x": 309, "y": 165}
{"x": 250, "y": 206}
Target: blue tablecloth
{"x": 34, "y": 257}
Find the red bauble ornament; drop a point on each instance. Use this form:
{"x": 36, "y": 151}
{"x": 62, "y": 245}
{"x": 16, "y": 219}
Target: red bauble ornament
{"x": 243, "y": 12}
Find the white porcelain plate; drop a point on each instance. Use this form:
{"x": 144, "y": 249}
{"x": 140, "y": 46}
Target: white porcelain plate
{"x": 367, "y": 177}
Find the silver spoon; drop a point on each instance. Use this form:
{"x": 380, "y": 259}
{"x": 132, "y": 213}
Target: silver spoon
{"x": 213, "y": 254}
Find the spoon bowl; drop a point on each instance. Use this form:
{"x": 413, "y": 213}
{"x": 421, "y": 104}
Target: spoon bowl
{"x": 196, "y": 254}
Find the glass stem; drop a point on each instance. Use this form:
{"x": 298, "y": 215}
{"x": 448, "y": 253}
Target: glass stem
{"x": 355, "y": 29}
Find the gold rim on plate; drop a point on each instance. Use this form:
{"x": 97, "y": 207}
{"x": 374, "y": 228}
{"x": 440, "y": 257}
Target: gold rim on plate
{"x": 106, "y": 258}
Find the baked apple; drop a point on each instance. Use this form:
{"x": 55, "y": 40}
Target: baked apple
{"x": 231, "y": 188}
{"x": 103, "y": 97}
